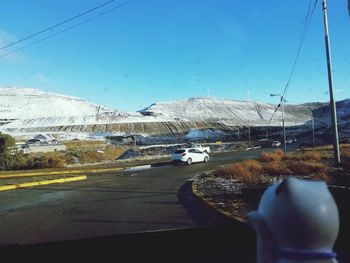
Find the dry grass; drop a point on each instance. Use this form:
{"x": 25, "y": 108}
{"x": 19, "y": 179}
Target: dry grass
{"x": 38, "y": 161}
{"x": 91, "y": 155}
{"x": 86, "y": 151}
{"x": 315, "y": 156}
{"x": 277, "y": 168}
{"x": 78, "y": 145}
{"x": 306, "y": 167}
{"x": 311, "y": 163}
{"x": 247, "y": 171}
{"x": 275, "y": 156}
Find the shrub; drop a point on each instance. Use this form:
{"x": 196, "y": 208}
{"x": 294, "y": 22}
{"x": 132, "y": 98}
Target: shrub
{"x": 224, "y": 172}
{"x": 275, "y": 156}
{"x": 253, "y": 166}
{"x": 248, "y": 172}
{"x": 93, "y": 155}
{"x": 309, "y": 156}
{"x": 301, "y": 167}
{"x": 44, "y": 161}
{"x": 6, "y": 142}
{"x": 276, "y": 168}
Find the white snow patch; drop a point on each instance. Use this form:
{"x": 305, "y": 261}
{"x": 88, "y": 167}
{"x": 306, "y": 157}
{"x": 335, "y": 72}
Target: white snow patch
{"x": 26, "y": 103}
{"x": 204, "y": 133}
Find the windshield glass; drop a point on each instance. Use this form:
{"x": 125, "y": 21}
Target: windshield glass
{"x": 96, "y": 96}
{"x": 179, "y": 151}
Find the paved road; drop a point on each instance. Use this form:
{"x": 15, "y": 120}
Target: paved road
{"x": 108, "y": 204}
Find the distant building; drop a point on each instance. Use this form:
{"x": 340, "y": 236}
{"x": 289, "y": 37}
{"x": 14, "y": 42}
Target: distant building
{"x": 42, "y": 143}
{"x": 52, "y": 147}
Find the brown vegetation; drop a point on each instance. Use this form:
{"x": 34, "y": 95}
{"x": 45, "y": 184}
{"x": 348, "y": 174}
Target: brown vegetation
{"x": 78, "y": 145}
{"x": 94, "y": 153}
{"x": 77, "y": 152}
{"x": 36, "y": 161}
{"x": 275, "y": 156}
{"x": 250, "y": 172}
{"x": 247, "y": 171}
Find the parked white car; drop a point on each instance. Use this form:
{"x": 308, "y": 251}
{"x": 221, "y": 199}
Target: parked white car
{"x": 189, "y": 156}
{"x": 200, "y": 147}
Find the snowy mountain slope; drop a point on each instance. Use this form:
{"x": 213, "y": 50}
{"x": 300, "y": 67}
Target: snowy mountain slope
{"x": 26, "y": 103}
{"x": 101, "y": 119}
{"x": 239, "y": 113}
{"x": 25, "y": 110}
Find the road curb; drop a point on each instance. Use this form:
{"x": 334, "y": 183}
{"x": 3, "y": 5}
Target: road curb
{"x": 44, "y": 182}
{"x": 211, "y": 205}
{"x": 7, "y": 176}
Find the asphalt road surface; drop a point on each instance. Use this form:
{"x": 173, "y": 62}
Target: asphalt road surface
{"x": 108, "y": 204}
{"x": 148, "y": 215}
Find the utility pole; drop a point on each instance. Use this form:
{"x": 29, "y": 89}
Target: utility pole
{"x": 98, "y": 112}
{"x": 249, "y": 122}
{"x": 330, "y": 83}
{"x": 249, "y": 135}
{"x": 284, "y": 128}
{"x": 238, "y": 134}
{"x": 313, "y": 131}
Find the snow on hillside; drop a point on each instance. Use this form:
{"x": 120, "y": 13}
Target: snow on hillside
{"x": 228, "y": 111}
{"x": 82, "y": 120}
{"x": 26, "y": 107}
{"x": 24, "y": 110}
{"x": 27, "y": 103}
{"x": 204, "y": 133}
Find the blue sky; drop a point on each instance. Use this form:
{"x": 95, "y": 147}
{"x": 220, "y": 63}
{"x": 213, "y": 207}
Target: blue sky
{"x": 163, "y": 50}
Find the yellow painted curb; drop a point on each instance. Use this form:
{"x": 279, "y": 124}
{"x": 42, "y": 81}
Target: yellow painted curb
{"x": 3, "y": 176}
{"x": 45, "y": 182}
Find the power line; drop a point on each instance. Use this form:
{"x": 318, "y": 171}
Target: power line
{"x": 276, "y": 109}
{"x": 306, "y": 21}
{"x": 56, "y": 25}
{"x": 68, "y": 28}
{"x": 303, "y": 35}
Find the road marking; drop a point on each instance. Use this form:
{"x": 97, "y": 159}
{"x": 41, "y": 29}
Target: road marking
{"x": 60, "y": 172}
{"x": 44, "y": 182}
{"x": 138, "y": 168}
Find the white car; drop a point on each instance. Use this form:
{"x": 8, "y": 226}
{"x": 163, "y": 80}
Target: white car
{"x": 290, "y": 140}
{"x": 189, "y": 156}
{"x": 276, "y": 143}
{"x": 200, "y": 147}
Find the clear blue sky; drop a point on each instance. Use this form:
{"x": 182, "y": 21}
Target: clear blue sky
{"x": 158, "y": 50}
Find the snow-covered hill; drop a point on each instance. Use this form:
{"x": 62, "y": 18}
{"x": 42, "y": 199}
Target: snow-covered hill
{"x": 24, "y": 110}
{"x": 238, "y": 113}
{"x": 26, "y": 103}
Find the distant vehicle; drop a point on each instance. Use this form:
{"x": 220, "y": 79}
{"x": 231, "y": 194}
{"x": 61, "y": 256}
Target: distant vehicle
{"x": 33, "y": 141}
{"x": 200, "y": 147}
{"x": 276, "y": 143}
{"x": 290, "y": 140}
{"x": 189, "y": 156}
